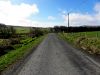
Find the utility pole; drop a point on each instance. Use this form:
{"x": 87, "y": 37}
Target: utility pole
{"x": 68, "y": 22}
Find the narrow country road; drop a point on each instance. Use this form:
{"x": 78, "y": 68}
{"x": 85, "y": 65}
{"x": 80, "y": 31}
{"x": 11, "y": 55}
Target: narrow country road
{"x": 56, "y": 57}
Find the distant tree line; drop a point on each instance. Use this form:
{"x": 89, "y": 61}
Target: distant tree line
{"x": 76, "y": 29}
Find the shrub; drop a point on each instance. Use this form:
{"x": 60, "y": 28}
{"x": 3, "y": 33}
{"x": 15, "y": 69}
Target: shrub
{"x": 5, "y": 42}
{"x": 36, "y": 32}
{"x": 15, "y": 41}
{"x": 5, "y": 46}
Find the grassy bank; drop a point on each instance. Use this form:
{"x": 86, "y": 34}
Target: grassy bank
{"x": 18, "y": 54}
{"x": 88, "y": 41}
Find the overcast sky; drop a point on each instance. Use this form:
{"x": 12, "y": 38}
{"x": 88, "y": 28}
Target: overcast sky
{"x": 47, "y": 13}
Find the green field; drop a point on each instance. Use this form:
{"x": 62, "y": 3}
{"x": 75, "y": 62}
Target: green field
{"x": 89, "y": 41}
{"x": 22, "y": 29}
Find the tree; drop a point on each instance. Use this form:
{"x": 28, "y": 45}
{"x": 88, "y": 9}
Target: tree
{"x": 6, "y": 31}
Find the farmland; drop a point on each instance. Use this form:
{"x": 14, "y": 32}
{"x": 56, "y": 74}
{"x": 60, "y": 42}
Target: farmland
{"x": 22, "y": 29}
{"x": 88, "y": 41}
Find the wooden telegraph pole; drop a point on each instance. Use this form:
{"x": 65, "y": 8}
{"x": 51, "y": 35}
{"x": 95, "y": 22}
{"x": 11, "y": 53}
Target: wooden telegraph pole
{"x": 68, "y": 19}
{"x": 68, "y": 22}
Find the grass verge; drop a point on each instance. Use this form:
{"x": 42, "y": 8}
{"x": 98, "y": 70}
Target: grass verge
{"x": 15, "y": 55}
{"x": 89, "y": 42}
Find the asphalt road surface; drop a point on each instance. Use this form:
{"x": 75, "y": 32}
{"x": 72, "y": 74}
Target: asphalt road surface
{"x": 56, "y": 57}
